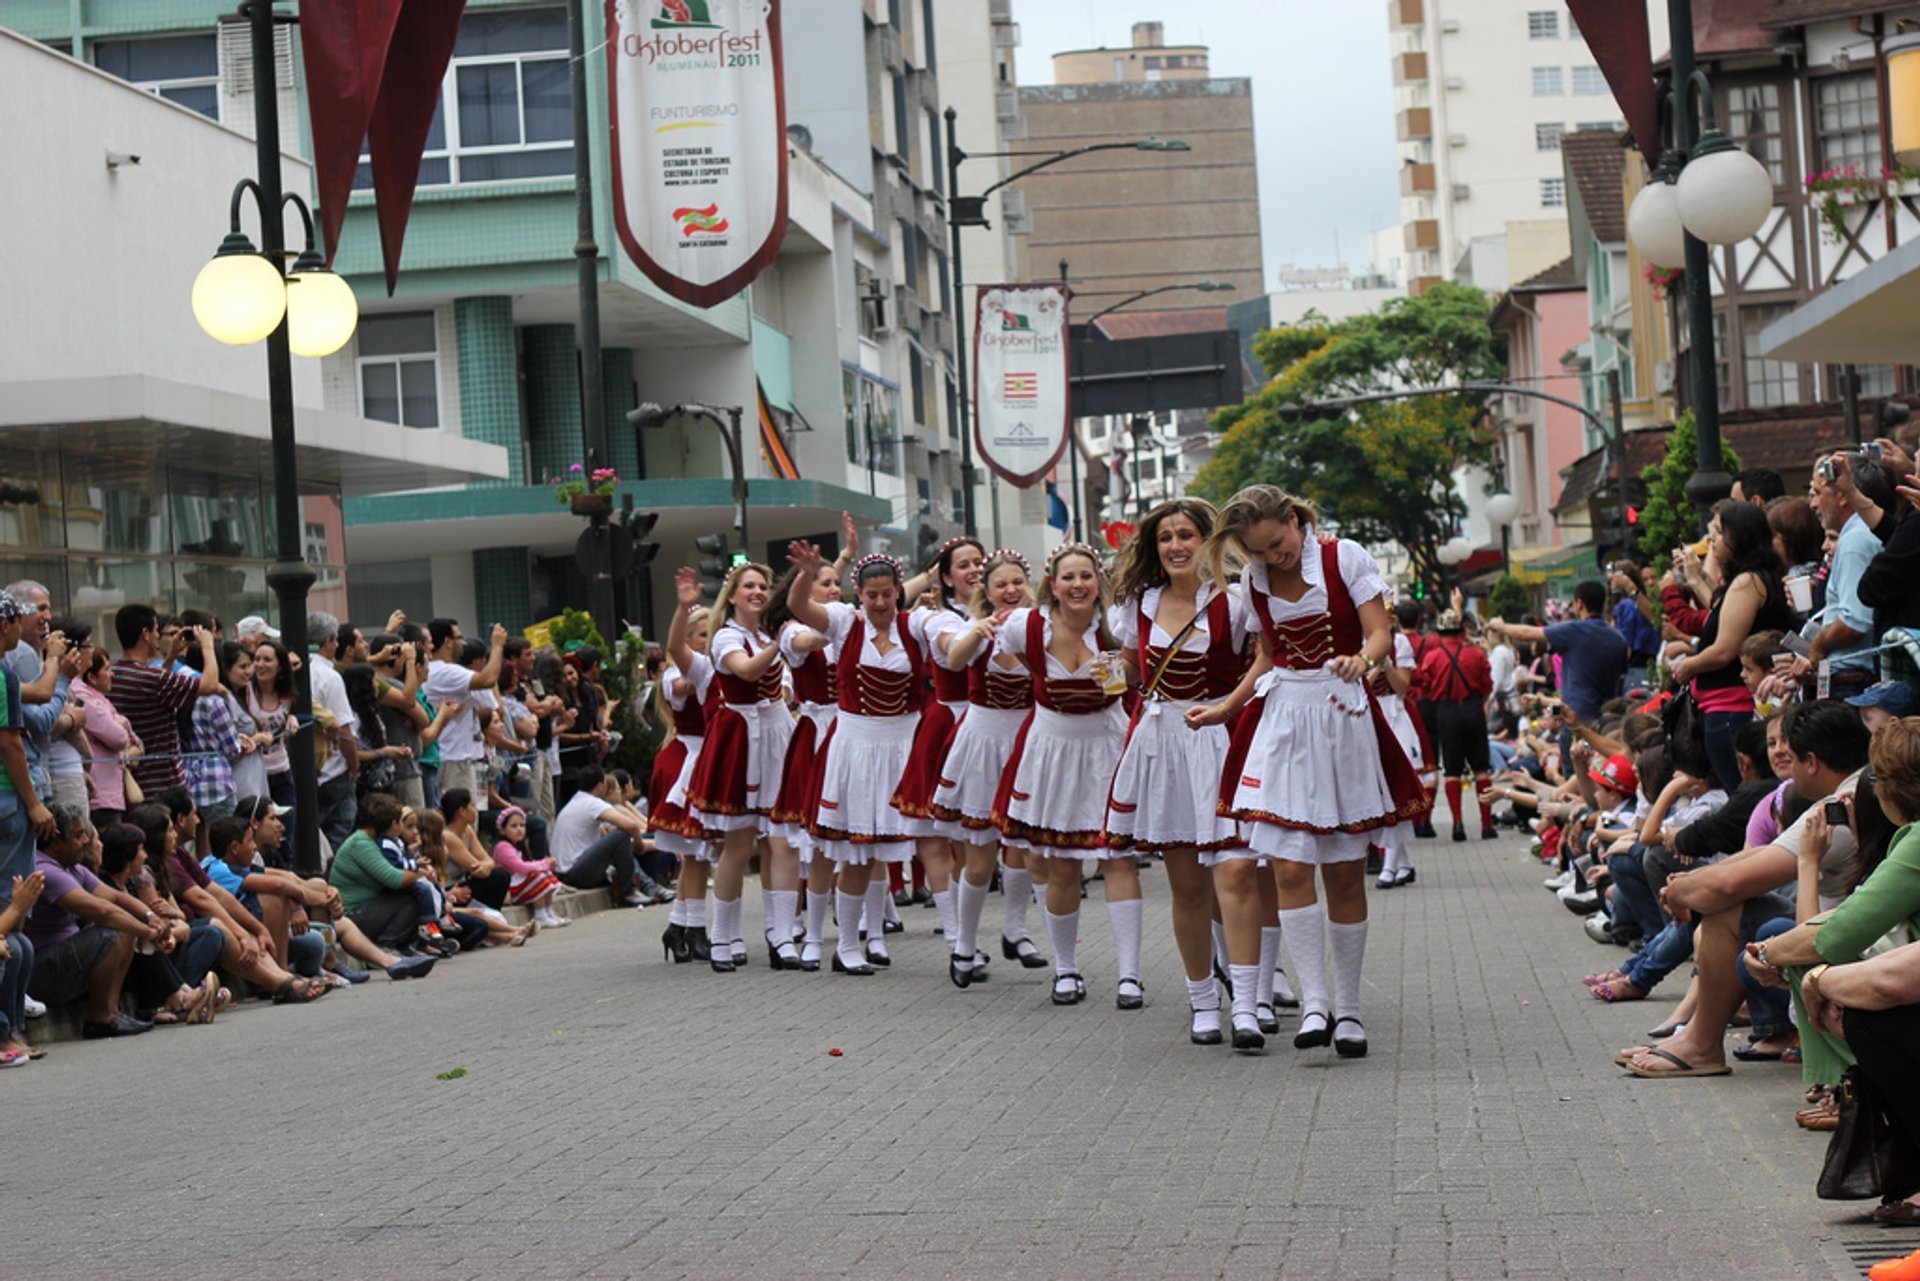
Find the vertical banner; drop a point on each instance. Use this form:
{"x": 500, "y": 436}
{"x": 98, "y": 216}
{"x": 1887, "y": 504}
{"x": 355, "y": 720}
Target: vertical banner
{"x": 699, "y": 121}
{"x": 1020, "y": 397}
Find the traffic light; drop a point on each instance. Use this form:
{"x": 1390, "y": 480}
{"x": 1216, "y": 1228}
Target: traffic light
{"x": 926, "y": 545}
{"x": 639, "y": 526}
{"x": 715, "y": 563}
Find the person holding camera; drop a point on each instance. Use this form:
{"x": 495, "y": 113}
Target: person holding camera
{"x": 1846, "y": 638}
{"x": 150, "y": 692}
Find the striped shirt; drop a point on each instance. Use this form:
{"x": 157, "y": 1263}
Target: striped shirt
{"x": 151, "y": 698}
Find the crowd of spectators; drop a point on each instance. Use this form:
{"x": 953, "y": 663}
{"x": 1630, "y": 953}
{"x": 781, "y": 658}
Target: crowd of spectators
{"x": 146, "y": 865}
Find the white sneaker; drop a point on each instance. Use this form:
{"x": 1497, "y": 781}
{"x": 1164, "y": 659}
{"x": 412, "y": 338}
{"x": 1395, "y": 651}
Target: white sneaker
{"x": 549, "y": 919}
{"x": 1560, "y": 882}
{"x": 35, "y": 1010}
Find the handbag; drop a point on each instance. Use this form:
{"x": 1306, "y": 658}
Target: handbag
{"x": 1863, "y": 1154}
{"x": 1686, "y": 729}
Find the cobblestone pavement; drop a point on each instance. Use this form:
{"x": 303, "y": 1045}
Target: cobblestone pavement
{"x": 620, "y": 1116}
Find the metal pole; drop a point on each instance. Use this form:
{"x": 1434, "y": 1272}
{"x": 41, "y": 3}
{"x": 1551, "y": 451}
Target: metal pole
{"x": 586, "y": 257}
{"x": 1073, "y": 425}
{"x": 1620, "y": 450}
{"x": 739, "y": 479}
{"x": 290, "y": 577}
{"x": 1850, "y": 402}
{"x": 956, "y": 302}
{"x": 1709, "y": 482}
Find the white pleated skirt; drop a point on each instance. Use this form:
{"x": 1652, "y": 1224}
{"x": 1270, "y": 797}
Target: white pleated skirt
{"x": 1312, "y": 789}
{"x": 855, "y": 821}
{"x": 1166, "y": 788}
{"x": 970, "y": 776}
{"x": 673, "y": 829}
{"x": 1054, "y": 803}
{"x": 820, "y": 716}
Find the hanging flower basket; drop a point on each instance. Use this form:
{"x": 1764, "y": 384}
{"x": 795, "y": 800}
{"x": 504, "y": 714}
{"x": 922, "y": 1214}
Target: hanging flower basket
{"x": 1663, "y": 280}
{"x": 591, "y": 504}
{"x": 584, "y": 493}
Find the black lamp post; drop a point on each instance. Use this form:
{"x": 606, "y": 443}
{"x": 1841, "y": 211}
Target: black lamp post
{"x": 1204, "y": 286}
{"x": 971, "y": 211}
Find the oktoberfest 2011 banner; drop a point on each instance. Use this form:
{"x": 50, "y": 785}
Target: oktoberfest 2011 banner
{"x": 699, "y": 141}
{"x": 1020, "y": 379}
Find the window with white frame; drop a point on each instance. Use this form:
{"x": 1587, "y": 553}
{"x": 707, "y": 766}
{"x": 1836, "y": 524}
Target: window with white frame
{"x": 1543, "y": 24}
{"x": 506, "y": 106}
{"x": 1553, "y": 193}
{"x": 1547, "y": 137}
{"x": 183, "y": 69}
{"x": 1599, "y": 126}
{"x": 1589, "y": 81}
{"x": 1548, "y": 82}
{"x": 1573, "y": 28}
{"x": 397, "y": 368}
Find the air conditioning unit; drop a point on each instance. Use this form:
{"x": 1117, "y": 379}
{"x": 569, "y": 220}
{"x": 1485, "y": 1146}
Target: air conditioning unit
{"x": 1006, "y": 104}
{"x": 1006, "y": 35}
{"x": 1456, "y": 140}
{"x": 1014, "y": 130}
{"x": 1460, "y": 191}
{"x": 1450, "y": 27}
{"x": 236, "y": 57}
{"x": 1455, "y": 84}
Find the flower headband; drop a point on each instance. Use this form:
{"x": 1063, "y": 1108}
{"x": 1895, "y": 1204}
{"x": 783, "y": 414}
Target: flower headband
{"x": 958, "y": 540}
{"x": 501, "y": 818}
{"x": 876, "y": 558}
{"x": 1074, "y": 549}
{"x": 1007, "y": 553}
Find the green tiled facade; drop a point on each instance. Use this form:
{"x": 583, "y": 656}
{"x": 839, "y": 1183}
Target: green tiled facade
{"x": 489, "y": 380}
{"x": 553, "y": 399}
{"x": 502, "y": 589}
{"x": 623, "y": 440}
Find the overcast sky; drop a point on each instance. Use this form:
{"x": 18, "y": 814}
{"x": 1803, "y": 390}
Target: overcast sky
{"x": 1322, "y": 104}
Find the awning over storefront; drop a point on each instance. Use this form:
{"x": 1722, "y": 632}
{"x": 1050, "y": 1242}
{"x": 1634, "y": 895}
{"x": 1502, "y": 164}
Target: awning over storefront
{"x": 136, "y": 419}
{"x": 1534, "y": 567}
{"x": 1870, "y": 318}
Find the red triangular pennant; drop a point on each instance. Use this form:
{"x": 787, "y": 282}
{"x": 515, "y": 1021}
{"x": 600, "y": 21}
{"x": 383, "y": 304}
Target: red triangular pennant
{"x": 343, "y": 47}
{"x": 417, "y": 60}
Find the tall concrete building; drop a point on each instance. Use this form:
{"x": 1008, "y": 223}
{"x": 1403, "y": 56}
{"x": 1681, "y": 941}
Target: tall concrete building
{"x": 1128, "y": 221}
{"x": 1483, "y": 91}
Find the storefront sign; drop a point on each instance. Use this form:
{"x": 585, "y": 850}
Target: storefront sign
{"x": 1020, "y": 399}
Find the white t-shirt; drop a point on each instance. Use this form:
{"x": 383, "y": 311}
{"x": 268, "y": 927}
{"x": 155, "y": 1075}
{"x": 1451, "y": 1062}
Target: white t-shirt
{"x": 1504, "y": 663}
{"x": 1841, "y": 846}
{"x": 330, "y": 692}
{"x": 452, "y": 683}
{"x": 576, "y": 827}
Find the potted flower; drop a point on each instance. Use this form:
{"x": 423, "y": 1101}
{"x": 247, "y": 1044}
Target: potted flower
{"x": 1834, "y": 190}
{"x": 587, "y": 493}
{"x": 1663, "y": 279}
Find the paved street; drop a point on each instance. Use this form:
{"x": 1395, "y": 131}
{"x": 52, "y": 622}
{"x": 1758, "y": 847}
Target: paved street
{"x": 622, "y": 1117}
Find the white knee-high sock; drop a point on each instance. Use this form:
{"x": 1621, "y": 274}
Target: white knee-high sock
{"x": 1269, "y": 957}
{"x": 1220, "y": 945}
{"x": 1203, "y": 994}
{"x": 1123, "y": 917}
{"x": 1245, "y": 979}
{"x": 767, "y": 911}
{"x": 877, "y": 901}
{"x": 1064, "y": 933}
{"x": 677, "y": 914}
{"x": 1349, "y": 950}
{"x": 725, "y": 921}
{"x": 819, "y": 903}
{"x": 782, "y": 904}
{"x": 970, "y": 901}
{"x": 697, "y": 913}
{"x": 943, "y": 904}
{"x": 849, "y": 906}
{"x": 1016, "y": 883}
{"x": 889, "y": 910}
{"x": 1304, "y": 929}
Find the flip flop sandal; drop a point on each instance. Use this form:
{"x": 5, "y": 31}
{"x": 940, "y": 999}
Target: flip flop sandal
{"x": 1680, "y": 1067}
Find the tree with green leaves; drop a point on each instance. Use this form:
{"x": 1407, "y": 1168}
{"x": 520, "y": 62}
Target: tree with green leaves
{"x": 1383, "y": 473}
{"x": 1509, "y": 598}
{"x": 1670, "y": 517}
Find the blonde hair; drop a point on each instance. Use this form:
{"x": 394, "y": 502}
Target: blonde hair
{"x": 1226, "y": 548}
{"x": 723, "y": 605}
{"x": 662, "y": 709}
{"x": 980, "y": 607}
{"x": 1137, "y": 567}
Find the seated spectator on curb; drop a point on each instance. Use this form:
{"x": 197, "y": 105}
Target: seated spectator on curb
{"x": 378, "y": 897}
{"x": 534, "y": 881}
{"x": 434, "y": 843}
{"x": 248, "y": 952}
{"x": 465, "y": 851}
{"x": 84, "y": 933}
{"x": 1733, "y": 899}
{"x": 270, "y": 896}
{"x": 16, "y": 967}
{"x": 594, "y": 838}
{"x": 171, "y": 985}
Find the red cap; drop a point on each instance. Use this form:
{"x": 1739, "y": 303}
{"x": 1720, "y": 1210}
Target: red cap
{"x": 1618, "y": 774}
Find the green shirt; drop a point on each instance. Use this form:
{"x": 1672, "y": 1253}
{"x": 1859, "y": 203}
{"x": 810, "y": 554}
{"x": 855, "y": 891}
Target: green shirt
{"x": 1889, "y": 897}
{"x": 361, "y": 872}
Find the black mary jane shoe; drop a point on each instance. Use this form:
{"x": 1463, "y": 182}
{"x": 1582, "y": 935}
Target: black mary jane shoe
{"x": 811, "y": 967}
{"x": 1348, "y": 1047}
{"x": 722, "y": 962}
{"x": 880, "y": 959}
{"x": 1313, "y": 1037}
{"x": 1269, "y": 1024}
{"x": 678, "y": 948}
{"x": 699, "y": 943}
{"x": 960, "y": 978}
{"x": 841, "y": 967}
{"x": 894, "y": 927}
{"x": 1206, "y": 1036}
{"x": 980, "y": 974}
{"x": 1076, "y": 989}
{"x": 1130, "y": 1000}
{"x": 1248, "y": 1040}
{"x": 1031, "y": 959}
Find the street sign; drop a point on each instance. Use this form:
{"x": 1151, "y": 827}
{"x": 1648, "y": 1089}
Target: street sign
{"x": 1148, "y": 375}
{"x": 618, "y": 544}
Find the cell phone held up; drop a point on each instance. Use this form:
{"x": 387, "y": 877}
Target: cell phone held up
{"x": 1836, "y": 813}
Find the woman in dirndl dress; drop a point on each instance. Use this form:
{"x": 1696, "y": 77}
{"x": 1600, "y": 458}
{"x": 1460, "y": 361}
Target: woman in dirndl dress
{"x": 809, "y": 656}
{"x": 1391, "y": 682}
{"x": 997, "y": 705}
{"x": 1184, "y": 638}
{"x": 1314, "y": 771}
{"x": 1053, "y": 792}
{"x": 738, "y": 775}
{"x": 955, "y": 574}
{"x": 880, "y": 685}
{"x": 680, "y": 702}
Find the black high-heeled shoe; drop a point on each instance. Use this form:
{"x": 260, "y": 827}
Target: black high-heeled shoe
{"x": 1010, "y": 948}
{"x": 841, "y": 967}
{"x": 678, "y": 949}
{"x": 811, "y": 967}
{"x": 722, "y": 962}
{"x": 699, "y": 943}
{"x": 778, "y": 960}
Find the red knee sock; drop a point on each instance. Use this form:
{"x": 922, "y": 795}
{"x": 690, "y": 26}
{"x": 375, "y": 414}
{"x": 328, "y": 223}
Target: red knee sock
{"x": 1486, "y": 808}
{"x": 896, "y": 881}
{"x": 1453, "y": 800}
{"x": 919, "y": 874}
